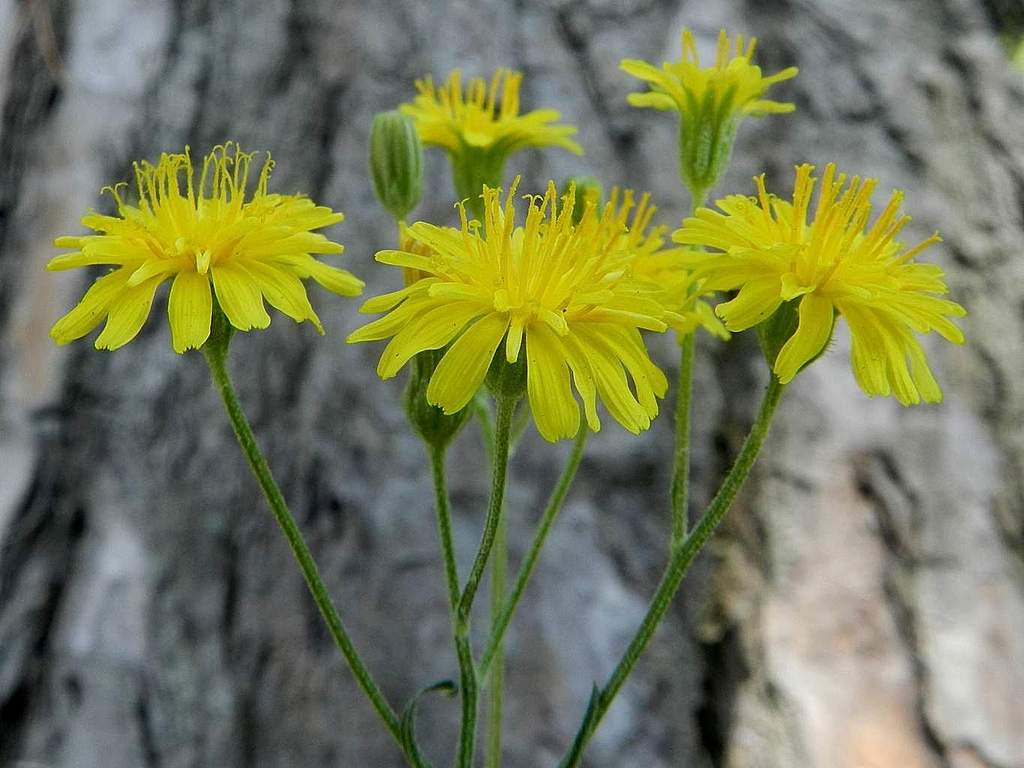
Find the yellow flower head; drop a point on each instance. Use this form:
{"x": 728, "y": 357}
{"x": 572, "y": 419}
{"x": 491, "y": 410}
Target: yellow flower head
{"x": 733, "y": 86}
{"x": 484, "y": 117}
{"x": 835, "y": 264}
{"x": 197, "y": 233}
{"x": 560, "y": 290}
{"x": 668, "y": 271}
{"x": 711, "y": 102}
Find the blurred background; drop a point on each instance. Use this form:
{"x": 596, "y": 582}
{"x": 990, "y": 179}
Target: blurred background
{"x": 863, "y": 606}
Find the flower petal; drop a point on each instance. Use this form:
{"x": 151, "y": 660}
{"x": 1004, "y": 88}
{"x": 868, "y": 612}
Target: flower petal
{"x": 431, "y": 330}
{"x": 239, "y": 297}
{"x": 90, "y": 311}
{"x": 189, "y": 309}
{"x": 127, "y": 314}
{"x": 464, "y": 366}
{"x": 812, "y": 334}
{"x": 554, "y": 408}
{"x": 285, "y": 292}
{"x": 756, "y": 301}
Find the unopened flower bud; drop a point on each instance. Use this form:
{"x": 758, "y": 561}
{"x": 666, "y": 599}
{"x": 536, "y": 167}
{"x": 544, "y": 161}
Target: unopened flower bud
{"x": 396, "y": 163}
{"x": 430, "y": 422}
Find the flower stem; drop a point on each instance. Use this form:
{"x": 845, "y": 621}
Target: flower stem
{"x": 444, "y": 526}
{"x": 679, "y": 563}
{"x": 216, "y": 355}
{"x": 496, "y": 688}
{"x": 499, "y": 628}
{"x": 502, "y": 431}
{"x": 463, "y": 652}
{"x": 681, "y": 454}
{"x": 680, "y": 490}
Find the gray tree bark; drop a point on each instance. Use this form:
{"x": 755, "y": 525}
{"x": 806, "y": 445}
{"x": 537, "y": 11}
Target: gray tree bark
{"x": 864, "y": 605}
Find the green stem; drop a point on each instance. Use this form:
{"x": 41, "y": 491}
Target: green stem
{"x": 681, "y": 454}
{"x": 444, "y": 527}
{"x": 502, "y": 430}
{"x": 463, "y": 652}
{"x": 216, "y": 355}
{"x": 682, "y": 556}
{"x": 680, "y": 490}
{"x": 498, "y": 630}
{"x": 496, "y": 689}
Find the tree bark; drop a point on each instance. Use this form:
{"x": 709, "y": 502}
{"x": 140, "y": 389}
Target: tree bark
{"x": 863, "y": 607}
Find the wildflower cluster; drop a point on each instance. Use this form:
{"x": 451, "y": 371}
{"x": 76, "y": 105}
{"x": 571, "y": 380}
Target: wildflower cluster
{"x": 552, "y": 297}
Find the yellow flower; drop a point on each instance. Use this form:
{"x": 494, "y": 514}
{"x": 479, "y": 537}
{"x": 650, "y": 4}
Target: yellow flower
{"x": 669, "y": 271}
{"x": 484, "y": 117}
{"x": 482, "y": 126}
{"x": 250, "y": 250}
{"x": 733, "y": 85}
{"x": 835, "y": 264}
{"x": 711, "y": 101}
{"x": 561, "y": 290}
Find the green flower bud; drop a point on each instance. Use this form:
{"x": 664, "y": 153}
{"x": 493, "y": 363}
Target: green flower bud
{"x": 431, "y": 423}
{"x": 706, "y": 137}
{"x": 396, "y": 163}
{"x": 505, "y": 379}
{"x": 585, "y": 188}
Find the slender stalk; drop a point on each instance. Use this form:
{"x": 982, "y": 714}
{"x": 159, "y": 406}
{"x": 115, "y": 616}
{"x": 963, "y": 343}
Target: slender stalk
{"x": 444, "y": 526}
{"x": 463, "y": 652}
{"x": 681, "y": 454}
{"x": 679, "y": 563}
{"x": 496, "y": 689}
{"x": 502, "y": 429}
{"x": 467, "y": 732}
{"x": 216, "y": 356}
{"x": 680, "y": 490}
{"x": 498, "y": 630}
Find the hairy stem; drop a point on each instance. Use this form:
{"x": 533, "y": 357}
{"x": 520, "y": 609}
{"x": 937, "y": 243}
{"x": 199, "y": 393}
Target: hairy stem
{"x": 554, "y": 505}
{"x": 502, "y": 432}
{"x": 679, "y": 563}
{"x": 216, "y": 355}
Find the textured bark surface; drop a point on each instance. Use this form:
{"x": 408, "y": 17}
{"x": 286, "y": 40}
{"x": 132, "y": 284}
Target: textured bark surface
{"x": 864, "y": 606}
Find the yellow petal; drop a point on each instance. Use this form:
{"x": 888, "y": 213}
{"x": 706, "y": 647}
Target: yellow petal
{"x": 189, "y": 309}
{"x": 91, "y": 310}
{"x": 432, "y": 330}
{"x": 583, "y": 378}
{"x": 393, "y": 322}
{"x": 285, "y": 292}
{"x": 555, "y": 410}
{"x": 239, "y": 297}
{"x": 406, "y": 259}
{"x": 756, "y": 301}
{"x": 612, "y": 384}
{"x": 385, "y": 302}
{"x": 127, "y": 314}
{"x": 464, "y": 366}
{"x": 339, "y": 281}
{"x": 811, "y": 336}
